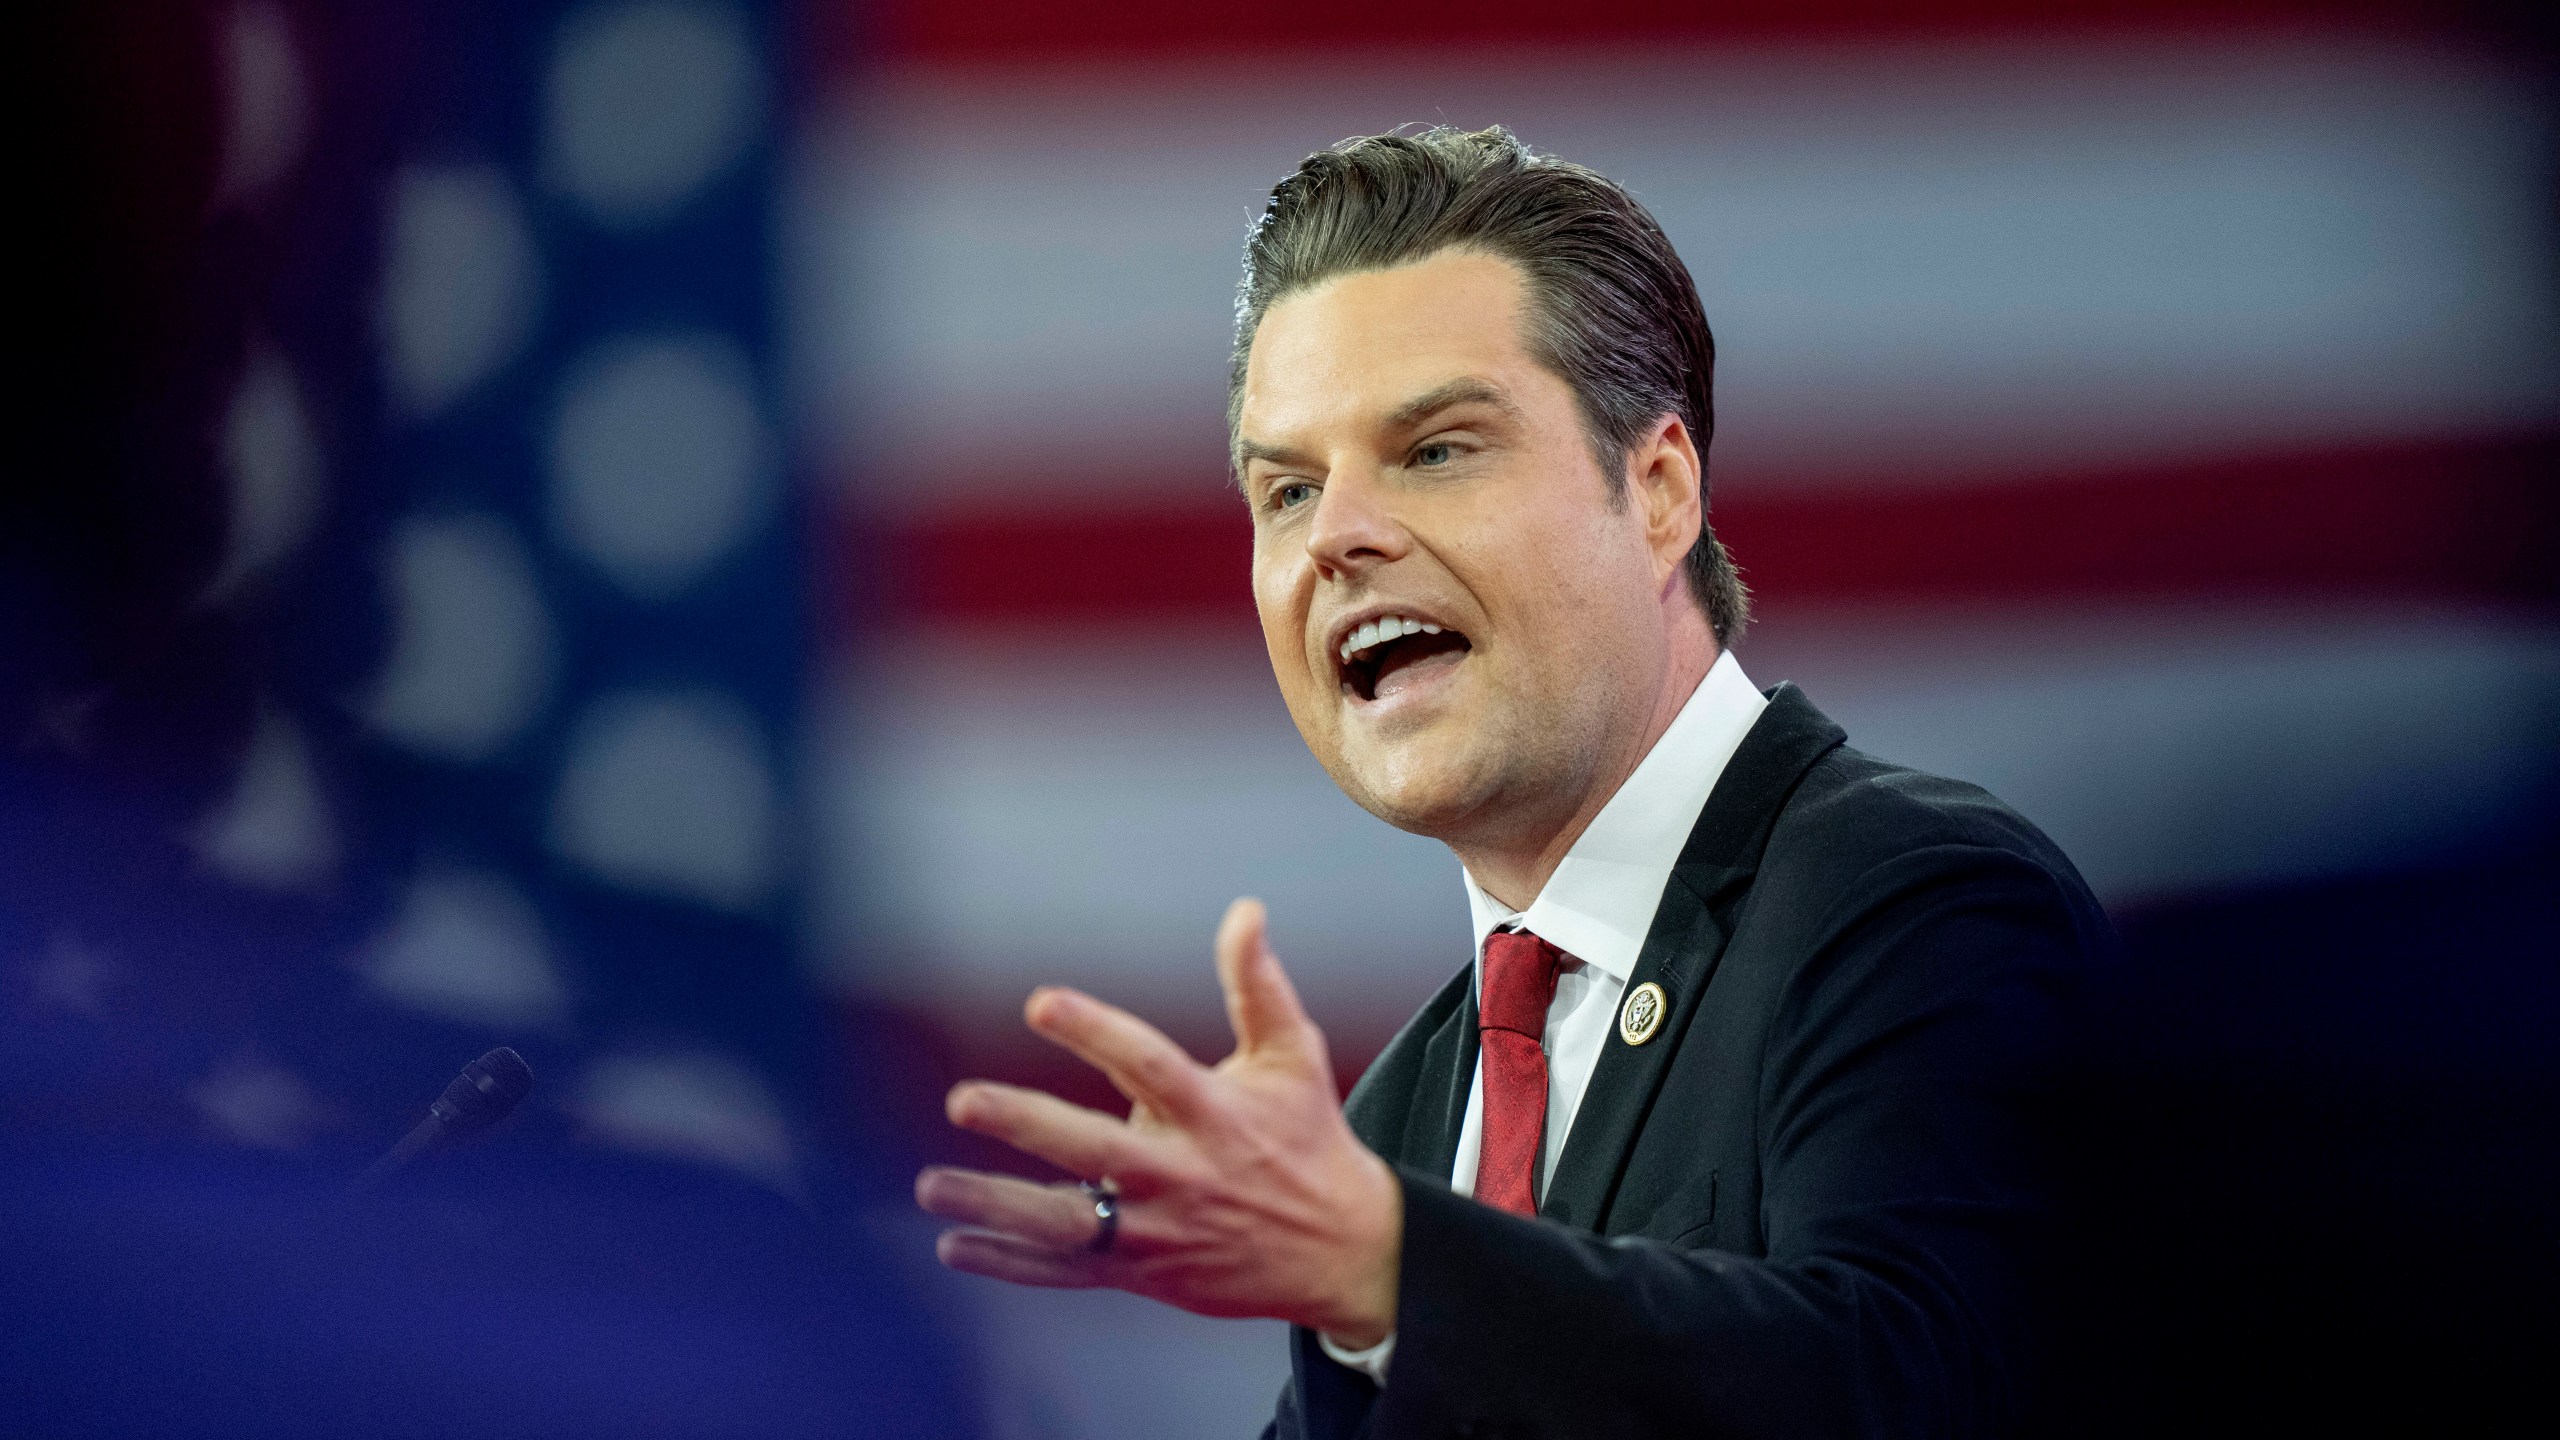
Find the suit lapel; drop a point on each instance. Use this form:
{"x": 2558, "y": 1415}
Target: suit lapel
{"x": 1683, "y": 947}
{"x": 1410, "y": 1103}
{"x": 1440, "y": 1101}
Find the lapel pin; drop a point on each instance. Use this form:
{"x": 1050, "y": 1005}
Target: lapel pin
{"x": 1642, "y": 1014}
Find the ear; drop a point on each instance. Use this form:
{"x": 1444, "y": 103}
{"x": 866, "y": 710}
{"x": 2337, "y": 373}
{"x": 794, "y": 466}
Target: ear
{"x": 1666, "y": 483}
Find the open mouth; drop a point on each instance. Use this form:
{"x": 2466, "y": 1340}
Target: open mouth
{"x": 1393, "y": 653}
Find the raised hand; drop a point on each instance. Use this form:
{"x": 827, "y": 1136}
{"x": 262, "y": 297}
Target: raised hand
{"x": 1240, "y": 1189}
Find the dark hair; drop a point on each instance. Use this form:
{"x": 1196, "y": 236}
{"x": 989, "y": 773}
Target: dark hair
{"x": 1613, "y": 311}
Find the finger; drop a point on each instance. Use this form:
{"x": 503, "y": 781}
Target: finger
{"x": 1142, "y": 1062}
{"x": 1082, "y": 1142}
{"x": 1058, "y": 1216}
{"x": 1262, "y": 1005}
{"x": 1003, "y": 1257}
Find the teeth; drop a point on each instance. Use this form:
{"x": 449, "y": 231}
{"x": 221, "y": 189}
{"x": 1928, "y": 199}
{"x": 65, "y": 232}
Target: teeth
{"x": 1385, "y": 627}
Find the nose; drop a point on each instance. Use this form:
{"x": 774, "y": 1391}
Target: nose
{"x": 1355, "y": 529}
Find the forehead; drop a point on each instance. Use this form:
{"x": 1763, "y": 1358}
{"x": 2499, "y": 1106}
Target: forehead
{"x": 1363, "y": 343}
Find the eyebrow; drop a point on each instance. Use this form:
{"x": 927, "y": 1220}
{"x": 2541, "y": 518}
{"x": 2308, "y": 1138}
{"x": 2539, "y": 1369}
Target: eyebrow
{"x": 1466, "y": 390}
{"x": 1248, "y": 451}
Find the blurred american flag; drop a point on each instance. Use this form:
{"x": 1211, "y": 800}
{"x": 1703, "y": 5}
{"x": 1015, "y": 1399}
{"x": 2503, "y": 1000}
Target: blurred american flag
{"x": 414, "y": 657}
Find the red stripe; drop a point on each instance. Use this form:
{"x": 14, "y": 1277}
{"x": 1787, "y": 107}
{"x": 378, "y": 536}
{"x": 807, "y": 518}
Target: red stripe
{"x": 2469, "y": 522}
{"x": 1040, "y": 31}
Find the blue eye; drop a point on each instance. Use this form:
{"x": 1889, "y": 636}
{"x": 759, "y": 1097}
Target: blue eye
{"x": 1295, "y": 493}
{"x": 1432, "y": 455}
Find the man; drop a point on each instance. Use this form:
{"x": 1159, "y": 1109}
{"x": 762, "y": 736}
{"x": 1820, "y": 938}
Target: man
{"x": 1725, "y": 1129}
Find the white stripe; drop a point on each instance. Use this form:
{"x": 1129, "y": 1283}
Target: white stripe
{"x": 1919, "y": 261}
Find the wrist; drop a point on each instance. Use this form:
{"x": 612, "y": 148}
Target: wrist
{"x": 1362, "y": 1311}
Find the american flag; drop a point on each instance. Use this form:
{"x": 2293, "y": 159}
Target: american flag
{"x": 407, "y": 614}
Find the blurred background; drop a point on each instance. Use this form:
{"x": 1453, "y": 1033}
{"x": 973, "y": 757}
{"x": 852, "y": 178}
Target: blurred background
{"x": 692, "y": 539}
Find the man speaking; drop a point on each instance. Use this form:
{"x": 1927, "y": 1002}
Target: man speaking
{"x": 1726, "y": 1127}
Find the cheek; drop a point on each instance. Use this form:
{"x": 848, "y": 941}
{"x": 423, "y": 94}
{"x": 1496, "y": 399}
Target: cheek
{"x": 1524, "y": 547}
{"x": 1273, "y": 603}
{"x": 1282, "y": 613}
{"x": 1529, "y": 593}
{"x": 1579, "y": 556}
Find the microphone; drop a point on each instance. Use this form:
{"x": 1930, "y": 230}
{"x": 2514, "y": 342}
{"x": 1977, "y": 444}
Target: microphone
{"x": 486, "y": 1091}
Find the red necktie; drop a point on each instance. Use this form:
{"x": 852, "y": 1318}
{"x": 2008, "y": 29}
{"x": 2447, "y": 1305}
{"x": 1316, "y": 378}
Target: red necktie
{"x": 1518, "y": 983}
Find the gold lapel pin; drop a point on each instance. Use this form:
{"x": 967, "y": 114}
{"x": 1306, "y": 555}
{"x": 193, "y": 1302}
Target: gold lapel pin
{"x": 1642, "y": 1014}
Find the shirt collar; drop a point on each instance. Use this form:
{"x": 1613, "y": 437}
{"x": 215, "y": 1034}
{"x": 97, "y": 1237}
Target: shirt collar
{"x": 1601, "y": 900}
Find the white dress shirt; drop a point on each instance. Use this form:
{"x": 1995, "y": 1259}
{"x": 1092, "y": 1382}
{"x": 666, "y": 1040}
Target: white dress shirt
{"x": 1596, "y": 908}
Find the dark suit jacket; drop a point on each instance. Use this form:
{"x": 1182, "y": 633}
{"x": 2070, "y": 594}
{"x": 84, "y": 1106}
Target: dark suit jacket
{"x": 1809, "y": 1204}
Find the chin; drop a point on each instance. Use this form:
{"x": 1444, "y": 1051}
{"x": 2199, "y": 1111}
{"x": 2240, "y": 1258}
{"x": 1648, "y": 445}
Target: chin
{"x": 1430, "y": 796}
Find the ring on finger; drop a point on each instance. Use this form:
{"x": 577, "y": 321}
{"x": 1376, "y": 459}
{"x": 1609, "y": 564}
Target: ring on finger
{"x": 1106, "y": 1213}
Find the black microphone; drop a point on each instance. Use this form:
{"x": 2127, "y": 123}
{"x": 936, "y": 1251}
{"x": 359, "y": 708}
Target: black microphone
{"x": 482, "y": 1095}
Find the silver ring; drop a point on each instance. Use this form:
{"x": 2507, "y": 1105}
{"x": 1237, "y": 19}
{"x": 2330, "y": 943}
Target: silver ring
{"x": 1106, "y": 1209}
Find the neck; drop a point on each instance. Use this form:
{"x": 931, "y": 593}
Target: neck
{"x": 1514, "y": 868}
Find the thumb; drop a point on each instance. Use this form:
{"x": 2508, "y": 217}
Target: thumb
{"x": 1262, "y": 1005}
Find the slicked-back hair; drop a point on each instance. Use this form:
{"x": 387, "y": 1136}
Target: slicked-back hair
{"x": 1612, "y": 311}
